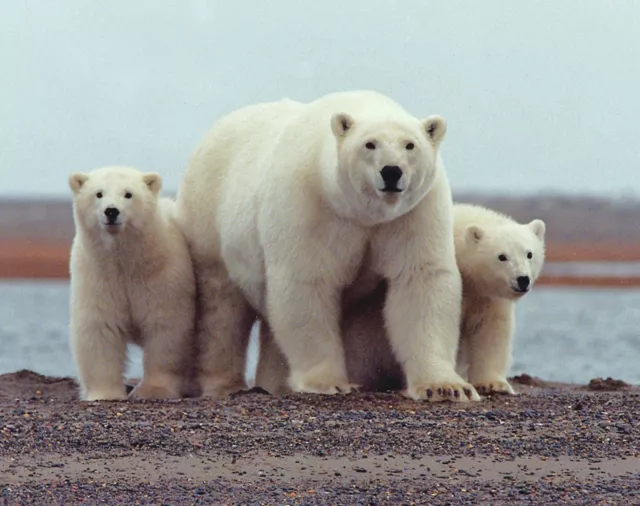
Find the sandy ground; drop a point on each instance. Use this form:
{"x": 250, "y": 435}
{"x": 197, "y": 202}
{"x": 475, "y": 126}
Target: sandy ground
{"x": 553, "y": 444}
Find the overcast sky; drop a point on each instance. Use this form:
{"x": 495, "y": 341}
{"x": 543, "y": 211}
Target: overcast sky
{"x": 538, "y": 95}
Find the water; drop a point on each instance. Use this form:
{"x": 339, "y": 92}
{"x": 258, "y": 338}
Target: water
{"x": 563, "y": 334}
{"x": 597, "y": 269}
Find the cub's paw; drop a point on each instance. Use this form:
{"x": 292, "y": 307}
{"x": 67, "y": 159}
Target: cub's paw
{"x": 115, "y": 394}
{"x": 348, "y": 388}
{"x": 446, "y": 391}
{"x": 161, "y": 389}
{"x": 322, "y": 379}
{"x": 153, "y": 392}
{"x": 495, "y": 386}
{"x": 214, "y": 387}
{"x": 326, "y": 389}
{"x": 329, "y": 387}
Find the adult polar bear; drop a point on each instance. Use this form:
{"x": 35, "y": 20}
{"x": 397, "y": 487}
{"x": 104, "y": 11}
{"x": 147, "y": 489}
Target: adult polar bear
{"x": 281, "y": 205}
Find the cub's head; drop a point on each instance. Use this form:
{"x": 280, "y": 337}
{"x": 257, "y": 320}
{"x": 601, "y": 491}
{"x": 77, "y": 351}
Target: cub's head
{"x": 388, "y": 164}
{"x": 114, "y": 199}
{"x": 503, "y": 261}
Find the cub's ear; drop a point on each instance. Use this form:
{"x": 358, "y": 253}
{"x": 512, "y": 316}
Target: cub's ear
{"x": 341, "y": 123}
{"x": 76, "y": 181}
{"x": 473, "y": 234}
{"x": 435, "y": 127}
{"x": 538, "y": 227}
{"x": 154, "y": 181}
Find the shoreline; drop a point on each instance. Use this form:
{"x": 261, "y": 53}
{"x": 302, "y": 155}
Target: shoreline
{"x": 50, "y": 261}
{"x": 554, "y": 443}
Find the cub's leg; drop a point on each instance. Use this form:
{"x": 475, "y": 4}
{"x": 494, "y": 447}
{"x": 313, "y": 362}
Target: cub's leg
{"x": 167, "y": 339}
{"x": 489, "y": 349}
{"x": 100, "y": 352}
{"x": 272, "y": 370}
{"x": 223, "y": 325}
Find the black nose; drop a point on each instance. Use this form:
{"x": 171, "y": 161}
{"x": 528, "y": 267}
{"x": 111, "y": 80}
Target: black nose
{"x": 391, "y": 174}
{"x": 523, "y": 282}
{"x": 112, "y": 214}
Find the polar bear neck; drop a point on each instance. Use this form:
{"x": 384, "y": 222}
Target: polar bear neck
{"x": 476, "y": 292}
{"x": 336, "y": 187}
{"x": 472, "y": 290}
{"x": 133, "y": 250}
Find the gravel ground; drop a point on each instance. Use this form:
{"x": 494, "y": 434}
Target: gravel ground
{"x": 553, "y": 444}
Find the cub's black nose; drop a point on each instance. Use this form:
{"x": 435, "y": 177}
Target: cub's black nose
{"x": 523, "y": 282}
{"x": 112, "y": 214}
{"x": 391, "y": 174}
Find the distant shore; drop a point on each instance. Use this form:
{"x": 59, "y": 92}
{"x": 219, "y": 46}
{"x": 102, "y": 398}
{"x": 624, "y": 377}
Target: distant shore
{"x": 50, "y": 260}
{"x": 553, "y": 444}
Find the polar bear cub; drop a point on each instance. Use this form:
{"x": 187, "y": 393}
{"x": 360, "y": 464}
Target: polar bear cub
{"x": 499, "y": 259}
{"x": 132, "y": 281}
{"x": 281, "y": 205}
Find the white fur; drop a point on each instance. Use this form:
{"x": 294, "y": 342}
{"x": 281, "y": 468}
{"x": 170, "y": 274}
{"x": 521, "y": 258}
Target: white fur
{"x": 281, "y": 203}
{"x": 131, "y": 282}
{"x": 483, "y": 237}
{"x": 487, "y": 322}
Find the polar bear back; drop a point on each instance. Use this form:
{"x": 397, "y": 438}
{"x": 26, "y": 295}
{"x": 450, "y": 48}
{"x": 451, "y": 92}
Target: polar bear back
{"x": 466, "y": 214}
{"x": 206, "y": 186}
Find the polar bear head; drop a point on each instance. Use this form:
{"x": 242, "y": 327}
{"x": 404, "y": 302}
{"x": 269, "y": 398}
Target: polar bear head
{"x": 114, "y": 199}
{"x": 502, "y": 261}
{"x": 387, "y": 164}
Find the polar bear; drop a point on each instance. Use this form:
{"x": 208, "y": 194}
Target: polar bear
{"x": 284, "y": 201}
{"x": 132, "y": 281}
{"x": 500, "y": 260}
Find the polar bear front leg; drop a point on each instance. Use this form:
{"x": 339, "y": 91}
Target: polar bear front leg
{"x": 223, "y": 325}
{"x": 304, "y": 318}
{"x": 272, "y": 370}
{"x": 422, "y": 314}
{"x": 162, "y": 363}
{"x": 167, "y": 341}
{"x": 490, "y": 347}
{"x": 416, "y": 254}
{"x": 100, "y": 355}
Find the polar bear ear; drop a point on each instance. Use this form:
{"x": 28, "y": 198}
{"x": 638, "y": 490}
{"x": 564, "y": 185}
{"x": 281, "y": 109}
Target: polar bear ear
{"x": 341, "y": 123}
{"x": 473, "y": 234}
{"x": 76, "y": 181}
{"x": 538, "y": 227}
{"x": 154, "y": 181}
{"x": 435, "y": 126}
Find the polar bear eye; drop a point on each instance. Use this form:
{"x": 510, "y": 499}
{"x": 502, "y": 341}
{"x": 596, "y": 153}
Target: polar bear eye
{"x": 529, "y": 255}
{"x": 99, "y": 195}
{"x": 127, "y": 195}
{"x": 370, "y": 145}
{"x": 502, "y": 258}
{"x": 410, "y": 146}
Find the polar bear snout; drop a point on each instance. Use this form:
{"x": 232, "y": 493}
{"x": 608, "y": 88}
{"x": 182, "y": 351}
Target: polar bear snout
{"x": 522, "y": 284}
{"x": 113, "y": 221}
{"x": 112, "y": 214}
{"x": 391, "y": 176}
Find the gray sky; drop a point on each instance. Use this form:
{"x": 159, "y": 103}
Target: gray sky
{"x": 538, "y": 95}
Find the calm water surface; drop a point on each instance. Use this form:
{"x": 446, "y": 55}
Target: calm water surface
{"x": 563, "y": 334}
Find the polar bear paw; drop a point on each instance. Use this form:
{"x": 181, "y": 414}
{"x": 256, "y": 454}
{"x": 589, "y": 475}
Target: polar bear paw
{"x": 110, "y": 394}
{"x": 158, "y": 386}
{"x": 216, "y": 387}
{"x": 325, "y": 388}
{"x": 494, "y": 386}
{"x": 147, "y": 391}
{"x": 321, "y": 379}
{"x": 442, "y": 391}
